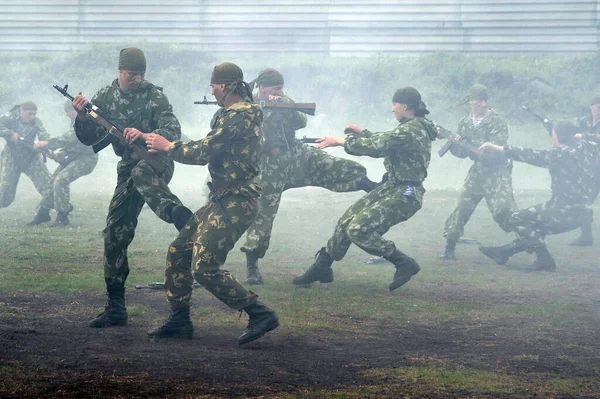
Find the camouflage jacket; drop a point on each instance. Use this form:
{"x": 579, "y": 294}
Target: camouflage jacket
{"x": 280, "y": 125}
{"x": 232, "y": 149}
{"x": 70, "y": 145}
{"x": 492, "y": 128}
{"x": 146, "y": 109}
{"x": 406, "y": 150}
{"x": 572, "y": 169}
{"x": 590, "y": 130}
{"x": 28, "y": 133}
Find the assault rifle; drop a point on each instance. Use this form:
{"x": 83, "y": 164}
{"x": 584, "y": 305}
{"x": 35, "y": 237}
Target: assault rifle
{"x": 444, "y": 133}
{"x": 158, "y": 286}
{"x": 547, "y": 122}
{"x": 116, "y": 130}
{"x": 308, "y": 140}
{"x": 305, "y": 108}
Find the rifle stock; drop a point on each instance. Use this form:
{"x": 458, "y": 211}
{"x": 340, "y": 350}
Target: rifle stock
{"x": 116, "y": 130}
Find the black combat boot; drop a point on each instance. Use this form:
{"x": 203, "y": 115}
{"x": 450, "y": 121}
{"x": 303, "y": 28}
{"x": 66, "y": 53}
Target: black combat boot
{"x": 449, "y": 251}
{"x": 178, "y": 325}
{"x": 586, "y": 239}
{"x": 406, "y": 267}
{"x": 62, "y": 219}
{"x": 180, "y": 215}
{"x": 500, "y": 255}
{"x": 367, "y": 184}
{"x": 115, "y": 312}
{"x": 254, "y": 277}
{"x": 41, "y": 216}
{"x": 261, "y": 320}
{"x": 319, "y": 271}
{"x": 543, "y": 260}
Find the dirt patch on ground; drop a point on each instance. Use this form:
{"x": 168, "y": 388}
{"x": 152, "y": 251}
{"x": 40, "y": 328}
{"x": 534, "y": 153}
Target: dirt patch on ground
{"x": 48, "y": 354}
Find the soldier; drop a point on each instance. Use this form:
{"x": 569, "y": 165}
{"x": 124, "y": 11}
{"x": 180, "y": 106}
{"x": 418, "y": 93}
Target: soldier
{"x": 571, "y": 164}
{"x": 288, "y": 163}
{"x": 20, "y": 128}
{"x": 232, "y": 150}
{"x": 75, "y": 160}
{"x": 406, "y": 151}
{"x": 591, "y": 126}
{"x": 488, "y": 178}
{"x": 142, "y": 108}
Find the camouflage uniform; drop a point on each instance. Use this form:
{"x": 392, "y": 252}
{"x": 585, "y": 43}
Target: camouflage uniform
{"x": 406, "y": 151}
{"x": 148, "y": 110}
{"x": 572, "y": 173}
{"x": 232, "y": 151}
{"x": 22, "y": 157}
{"x": 75, "y": 160}
{"x": 491, "y": 180}
{"x": 287, "y": 163}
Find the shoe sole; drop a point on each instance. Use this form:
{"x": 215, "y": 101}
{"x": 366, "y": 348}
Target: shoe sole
{"x": 274, "y": 324}
{"x": 104, "y": 325}
{"x": 398, "y": 284}
{"x": 500, "y": 261}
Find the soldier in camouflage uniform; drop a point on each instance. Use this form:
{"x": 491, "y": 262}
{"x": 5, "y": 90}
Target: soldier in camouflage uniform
{"x": 590, "y": 126}
{"x": 232, "y": 150}
{"x": 571, "y": 163}
{"x": 141, "y": 108}
{"x": 20, "y": 128}
{"x": 488, "y": 178}
{"x": 406, "y": 151}
{"x": 288, "y": 163}
{"x": 75, "y": 160}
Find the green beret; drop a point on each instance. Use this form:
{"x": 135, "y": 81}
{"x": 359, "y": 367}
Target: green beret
{"x": 132, "y": 59}
{"x": 407, "y": 95}
{"x": 226, "y": 73}
{"x": 478, "y": 92}
{"x": 269, "y": 77}
{"x": 595, "y": 100}
{"x": 29, "y": 106}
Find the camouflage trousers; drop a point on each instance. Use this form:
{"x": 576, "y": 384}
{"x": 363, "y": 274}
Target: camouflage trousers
{"x": 307, "y": 166}
{"x": 10, "y": 171}
{"x": 202, "y": 246}
{"x": 538, "y": 221}
{"x": 497, "y": 190}
{"x": 137, "y": 184}
{"x": 365, "y": 222}
{"x": 57, "y": 193}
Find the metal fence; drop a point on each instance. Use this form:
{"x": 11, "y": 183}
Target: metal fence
{"x": 336, "y": 27}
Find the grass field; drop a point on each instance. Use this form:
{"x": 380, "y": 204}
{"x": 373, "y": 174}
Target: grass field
{"x": 468, "y": 328}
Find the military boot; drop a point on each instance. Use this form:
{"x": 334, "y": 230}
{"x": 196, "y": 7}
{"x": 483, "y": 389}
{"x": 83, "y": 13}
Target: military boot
{"x": 500, "y": 255}
{"x": 586, "y": 239}
{"x": 319, "y": 271}
{"x": 178, "y": 325}
{"x": 449, "y": 251}
{"x": 261, "y": 320}
{"x": 62, "y": 219}
{"x": 543, "y": 260}
{"x": 115, "y": 312}
{"x": 41, "y": 216}
{"x": 180, "y": 215}
{"x": 254, "y": 277}
{"x": 406, "y": 267}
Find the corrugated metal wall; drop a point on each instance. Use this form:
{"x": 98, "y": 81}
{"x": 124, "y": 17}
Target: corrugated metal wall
{"x": 359, "y": 27}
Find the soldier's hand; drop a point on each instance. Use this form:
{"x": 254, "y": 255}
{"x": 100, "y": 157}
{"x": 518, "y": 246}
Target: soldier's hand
{"x": 131, "y": 135}
{"x": 491, "y": 146}
{"x": 79, "y": 103}
{"x": 353, "y": 129}
{"x": 274, "y": 98}
{"x": 157, "y": 143}
{"x": 457, "y": 137}
{"x": 14, "y": 137}
{"x": 40, "y": 144}
{"x": 329, "y": 142}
